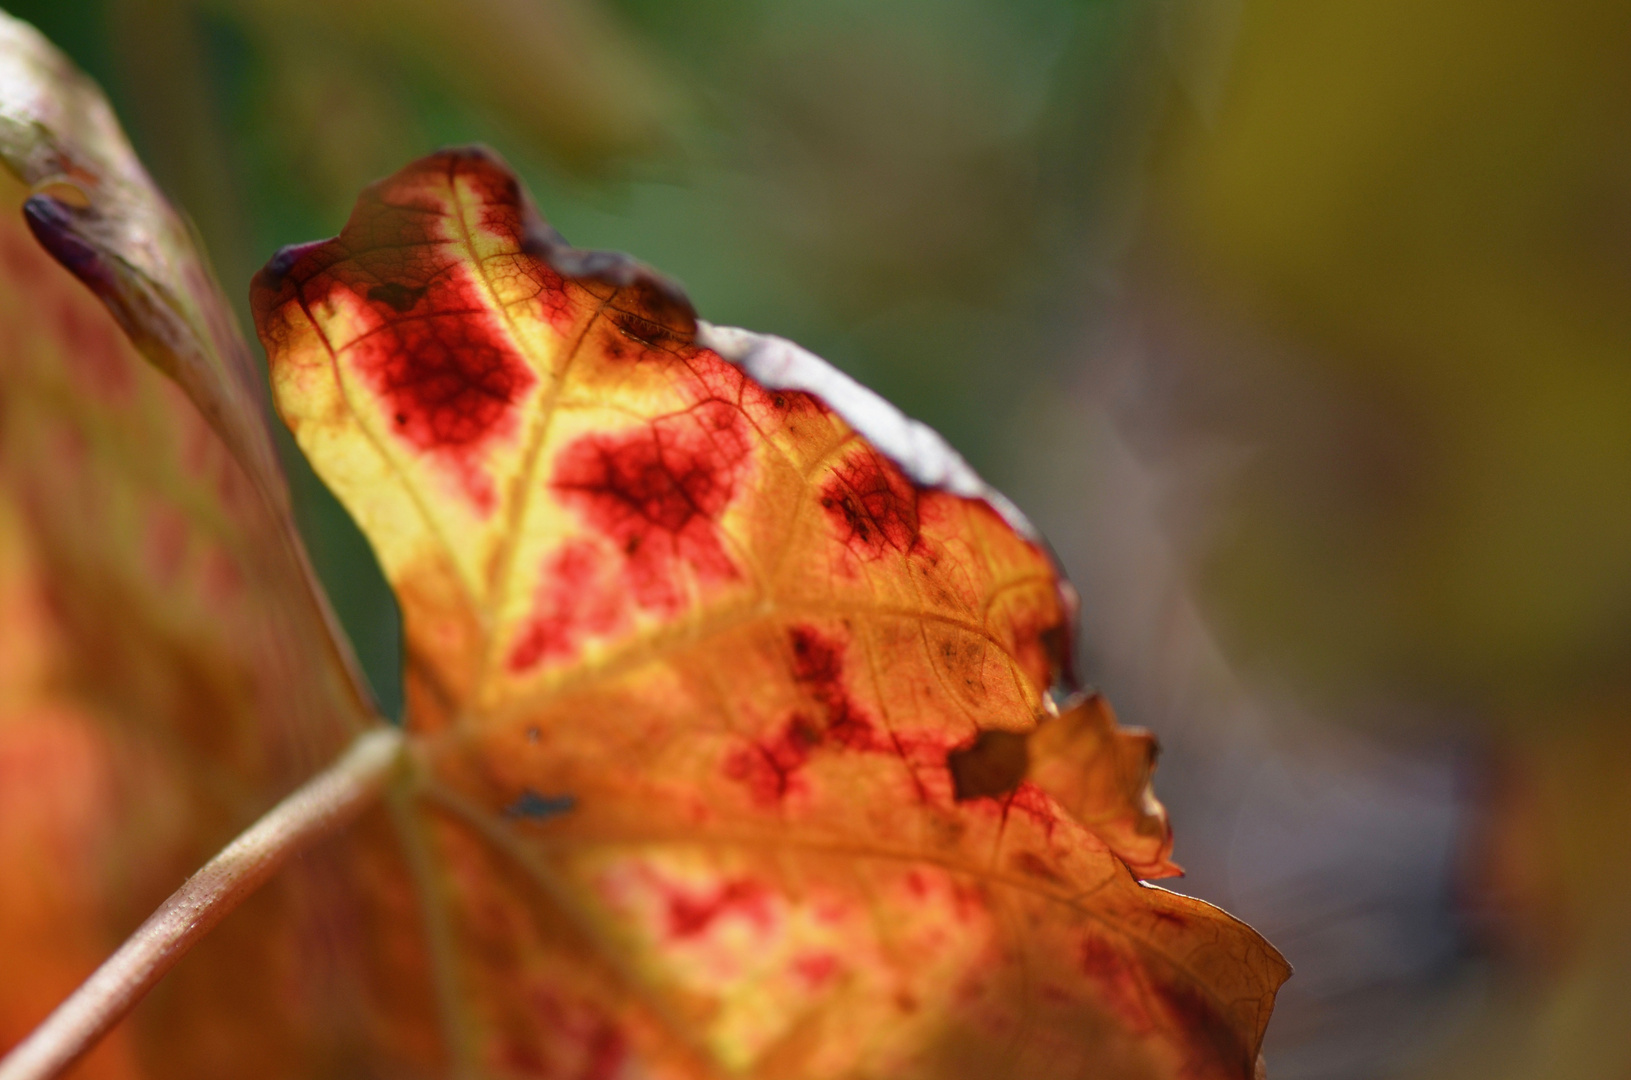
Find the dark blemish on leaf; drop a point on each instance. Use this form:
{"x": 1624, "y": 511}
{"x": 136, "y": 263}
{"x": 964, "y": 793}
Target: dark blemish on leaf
{"x": 818, "y": 666}
{"x": 1099, "y": 961}
{"x": 646, "y": 332}
{"x": 872, "y": 506}
{"x": 398, "y": 296}
{"x": 55, "y": 227}
{"x": 769, "y": 768}
{"x": 1204, "y": 1026}
{"x": 991, "y": 767}
{"x": 451, "y": 380}
{"x": 608, "y": 1049}
{"x": 1056, "y": 995}
{"x": 658, "y": 493}
{"x": 802, "y": 735}
{"x": 535, "y": 807}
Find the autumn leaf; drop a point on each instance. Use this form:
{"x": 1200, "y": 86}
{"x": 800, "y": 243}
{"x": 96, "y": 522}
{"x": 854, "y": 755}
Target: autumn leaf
{"x": 168, "y": 668}
{"x": 696, "y": 628}
{"x": 732, "y": 744}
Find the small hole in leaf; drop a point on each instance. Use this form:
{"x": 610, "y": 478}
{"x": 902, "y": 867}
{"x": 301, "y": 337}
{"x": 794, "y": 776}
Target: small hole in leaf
{"x": 992, "y": 766}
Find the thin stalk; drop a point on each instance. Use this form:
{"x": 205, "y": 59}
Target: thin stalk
{"x": 323, "y": 804}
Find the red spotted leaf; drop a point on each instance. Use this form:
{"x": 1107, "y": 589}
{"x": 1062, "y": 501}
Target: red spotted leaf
{"x": 730, "y": 689}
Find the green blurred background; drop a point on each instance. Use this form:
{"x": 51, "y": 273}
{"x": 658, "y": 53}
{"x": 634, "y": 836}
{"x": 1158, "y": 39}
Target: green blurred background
{"x": 1302, "y": 327}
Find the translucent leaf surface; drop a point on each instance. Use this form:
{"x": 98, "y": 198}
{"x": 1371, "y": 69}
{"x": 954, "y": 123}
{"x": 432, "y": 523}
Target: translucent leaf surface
{"x": 695, "y": 648}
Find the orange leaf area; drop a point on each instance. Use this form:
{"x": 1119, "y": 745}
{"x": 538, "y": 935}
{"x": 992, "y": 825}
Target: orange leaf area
{"x": 689, "y": 659}
{"x": 1101, "y": 774}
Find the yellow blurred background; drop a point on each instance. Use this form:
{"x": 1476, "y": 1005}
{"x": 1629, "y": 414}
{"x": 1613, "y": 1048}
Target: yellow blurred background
{"x": 1302, "y": 327}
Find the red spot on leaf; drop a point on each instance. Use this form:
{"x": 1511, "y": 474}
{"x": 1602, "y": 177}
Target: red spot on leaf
{"x": 818, "y": 666}
{"x": 608, "y": 1050}
{"x": 1142, "y": 1003}
{"x": 968, "y": 901}
{"x": 769, "y": 410}
{"x": 575, "y": 601}
{"x": 437, "y": 353}
{"x": 769, "y": 767}
{"x": 1034, "y": 803}
{"x": 565, "y": 1038}
{"x": 449, "y": 382}
{"x": 691, "y": 915}
{"x": 658, "y": 493}
{"x": 872, "y": 506}
{"x": 816, "y": 969}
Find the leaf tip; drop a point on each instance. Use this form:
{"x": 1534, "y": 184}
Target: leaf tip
{"x": 52, "y": 221}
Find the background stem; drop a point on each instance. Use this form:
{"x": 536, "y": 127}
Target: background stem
{"x": 329, "y": 800}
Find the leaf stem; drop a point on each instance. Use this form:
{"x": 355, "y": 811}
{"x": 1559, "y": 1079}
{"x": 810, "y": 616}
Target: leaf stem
{"x": 323, "y": 804}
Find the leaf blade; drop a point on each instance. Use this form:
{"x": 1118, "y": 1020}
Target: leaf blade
{"x": 688, "y": 655}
